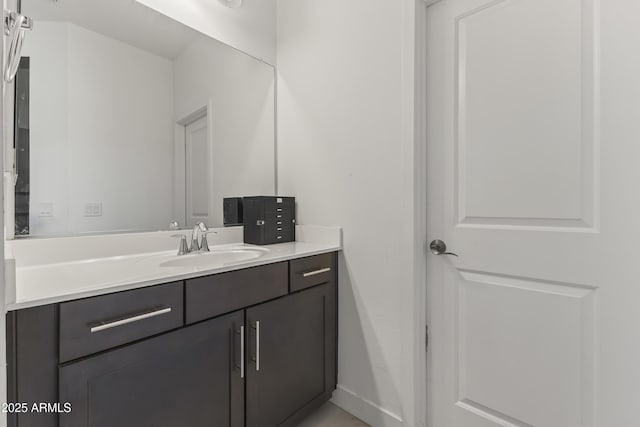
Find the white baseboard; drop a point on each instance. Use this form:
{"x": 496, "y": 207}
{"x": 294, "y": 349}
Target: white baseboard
{"x": 366, "y": 410}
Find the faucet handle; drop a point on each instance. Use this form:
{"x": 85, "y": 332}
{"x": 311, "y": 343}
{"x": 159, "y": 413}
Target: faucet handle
{"x": 174, "y": 225}
{"x": 184, "y": 248}
{"x": 204, "y": 245}
{"x": 199, "y": 229}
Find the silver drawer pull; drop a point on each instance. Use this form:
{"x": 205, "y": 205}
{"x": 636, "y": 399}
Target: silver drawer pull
{"x": 132, "y": 319}
{"x": 257, "y": 345}
{"x": 256, "y": 358}
{"x": 241, "y": 351}
{"x": 316, "y": 272}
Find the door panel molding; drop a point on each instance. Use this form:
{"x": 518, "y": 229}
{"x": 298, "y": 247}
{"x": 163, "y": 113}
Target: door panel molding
{"x": 531, "y": 164}
{"x": 496, "y": 418}
{"x": 537, "y": 337}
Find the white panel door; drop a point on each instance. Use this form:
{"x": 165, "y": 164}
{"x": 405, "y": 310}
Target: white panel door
{"x": 533, "y": 162}
{"x": 198, "y": 172}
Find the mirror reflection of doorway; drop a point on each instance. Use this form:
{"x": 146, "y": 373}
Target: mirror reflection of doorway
{"x": 197, "y": 170}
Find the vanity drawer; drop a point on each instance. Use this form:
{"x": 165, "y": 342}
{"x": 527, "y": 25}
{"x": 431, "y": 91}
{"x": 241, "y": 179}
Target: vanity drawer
{"x": 94, "y": 324}
{"x": 311, "y": 271}
{"x": 211, "y": 296}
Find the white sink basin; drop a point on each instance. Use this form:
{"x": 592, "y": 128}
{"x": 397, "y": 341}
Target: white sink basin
{"x": 217, "y": 257}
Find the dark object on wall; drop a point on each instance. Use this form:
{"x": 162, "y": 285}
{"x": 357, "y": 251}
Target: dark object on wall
{"x": 232, "y": 211}
{"x": 21, "y": 146}
{"x": 269, "y": 219}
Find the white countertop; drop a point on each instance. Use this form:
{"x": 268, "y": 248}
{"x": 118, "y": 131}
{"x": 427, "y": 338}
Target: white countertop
{"x": 46, "y": 271}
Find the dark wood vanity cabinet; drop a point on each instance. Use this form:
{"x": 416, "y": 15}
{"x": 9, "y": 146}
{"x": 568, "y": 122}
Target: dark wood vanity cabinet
{"x": 265, "y": 364}
{"x": 188, "y": 377}
{"x": 292, "y": 350}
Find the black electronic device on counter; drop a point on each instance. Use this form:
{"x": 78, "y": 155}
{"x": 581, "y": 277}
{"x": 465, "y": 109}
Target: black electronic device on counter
{"x": 269, "y": 219}
{"x": 232, "y": 211}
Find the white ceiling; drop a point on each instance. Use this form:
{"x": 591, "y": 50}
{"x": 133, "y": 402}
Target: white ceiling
{"x": 124, "y": 20}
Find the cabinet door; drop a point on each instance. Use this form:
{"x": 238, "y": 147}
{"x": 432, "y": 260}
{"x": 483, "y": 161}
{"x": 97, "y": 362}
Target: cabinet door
{"x": 190, "y": 377}
{"x": 292, "y": 349}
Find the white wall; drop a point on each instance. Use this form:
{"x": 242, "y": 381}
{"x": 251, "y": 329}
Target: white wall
{"x": 250, "y": 28}
{"x": 346, "y": 151}
{"x": 240, "y": 92}
{"x": 48, "y": 103}
{"x": 100, "y": 132}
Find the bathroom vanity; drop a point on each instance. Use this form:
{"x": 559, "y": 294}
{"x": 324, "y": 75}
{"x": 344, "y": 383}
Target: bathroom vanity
{"x": 108, "y": 323}
{"x": 252, "y": 346}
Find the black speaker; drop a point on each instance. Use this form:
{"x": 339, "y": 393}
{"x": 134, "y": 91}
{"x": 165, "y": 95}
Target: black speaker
{"x": 232, "y": 212}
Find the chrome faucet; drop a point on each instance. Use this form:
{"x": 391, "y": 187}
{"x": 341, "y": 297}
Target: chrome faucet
{"x": 201, "y": 229}
{"x": 197, "y": 245}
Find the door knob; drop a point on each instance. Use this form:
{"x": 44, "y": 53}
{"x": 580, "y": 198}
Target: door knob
{"x": 438, "y": 247}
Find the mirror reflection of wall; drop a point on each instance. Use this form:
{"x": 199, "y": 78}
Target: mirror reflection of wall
{"x": 134, "y": 120}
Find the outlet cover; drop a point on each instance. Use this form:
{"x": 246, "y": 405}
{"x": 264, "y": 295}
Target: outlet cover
{"x": 92, "y": 209}
{"x": 45, "y": 209}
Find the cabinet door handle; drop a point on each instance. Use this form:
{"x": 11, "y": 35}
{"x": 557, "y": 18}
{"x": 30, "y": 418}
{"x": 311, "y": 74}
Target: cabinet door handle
{"x": 316, "y": 272}
{"x": 137, "y": 318}
{"x": 257, "y": 358}
{"x": 242, "y": 351}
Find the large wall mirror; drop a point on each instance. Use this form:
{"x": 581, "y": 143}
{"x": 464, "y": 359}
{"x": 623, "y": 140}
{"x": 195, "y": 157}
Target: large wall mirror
{"x": 126, "y": 120}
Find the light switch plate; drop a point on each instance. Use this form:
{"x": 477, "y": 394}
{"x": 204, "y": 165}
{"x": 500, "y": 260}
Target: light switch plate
{"x": 92, "y": 209}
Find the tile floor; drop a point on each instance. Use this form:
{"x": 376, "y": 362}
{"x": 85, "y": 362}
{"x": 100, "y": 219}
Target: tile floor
{"x": 331, "y": 416}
